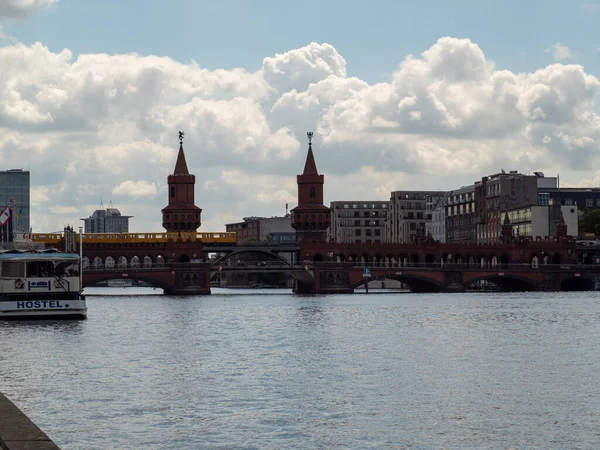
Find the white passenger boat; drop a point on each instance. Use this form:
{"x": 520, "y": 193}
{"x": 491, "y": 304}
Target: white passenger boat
{"x": 40, "y": 285}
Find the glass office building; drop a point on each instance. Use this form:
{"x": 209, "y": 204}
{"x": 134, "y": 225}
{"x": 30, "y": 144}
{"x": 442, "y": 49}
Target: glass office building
{"x": 14, "y": 193}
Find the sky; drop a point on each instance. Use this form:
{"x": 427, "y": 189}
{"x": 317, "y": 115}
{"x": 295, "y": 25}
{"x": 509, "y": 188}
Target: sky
{"x": 400, "y": 95}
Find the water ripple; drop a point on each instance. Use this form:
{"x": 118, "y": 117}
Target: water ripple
{"x": 272, "y": 371}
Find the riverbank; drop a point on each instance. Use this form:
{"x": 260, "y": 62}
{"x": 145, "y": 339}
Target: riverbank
{"x": 18, "y": 432}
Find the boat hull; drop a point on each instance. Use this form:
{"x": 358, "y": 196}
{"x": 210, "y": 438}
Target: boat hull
{"x": 43, "y": 309}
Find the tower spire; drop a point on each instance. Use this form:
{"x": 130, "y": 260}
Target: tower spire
{"x": 561, "y": 226}
{"x": 181, "y": 214}
{"x": 310, "y": 167}
{"x": 311, "y": 217}
{"x": 181, "y": 165}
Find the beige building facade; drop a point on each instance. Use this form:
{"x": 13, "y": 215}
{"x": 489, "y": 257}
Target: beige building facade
{"x": 408, "y": 214}
{"x": 358, "y": 222}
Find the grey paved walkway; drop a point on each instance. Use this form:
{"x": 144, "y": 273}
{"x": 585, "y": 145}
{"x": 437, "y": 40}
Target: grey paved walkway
{"x": 17, "y": 432}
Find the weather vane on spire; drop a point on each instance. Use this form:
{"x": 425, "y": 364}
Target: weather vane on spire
{"x": 310, "y": 135}
{"x": 181, "y": 136}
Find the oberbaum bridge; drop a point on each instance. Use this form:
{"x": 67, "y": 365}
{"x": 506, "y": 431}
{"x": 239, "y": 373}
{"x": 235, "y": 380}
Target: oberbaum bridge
{"x": 178, "y": 260}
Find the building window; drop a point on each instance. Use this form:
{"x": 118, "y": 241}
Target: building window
{"x": 172, "y": 191}
{"x": 312, "y": 193}
{"x": 357, "y": 232}
{"x": 568, "y": 201}
{"x": 589, "y": 202}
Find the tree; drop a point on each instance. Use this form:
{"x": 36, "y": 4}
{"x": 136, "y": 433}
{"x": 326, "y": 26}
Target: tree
{"x": 590, "y": 221}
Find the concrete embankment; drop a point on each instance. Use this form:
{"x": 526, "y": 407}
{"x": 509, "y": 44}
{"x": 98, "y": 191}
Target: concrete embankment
{"x": 17, "y": 432}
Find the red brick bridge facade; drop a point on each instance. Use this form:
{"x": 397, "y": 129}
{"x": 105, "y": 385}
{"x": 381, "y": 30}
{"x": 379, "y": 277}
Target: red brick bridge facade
{"x": 182, "y": 267}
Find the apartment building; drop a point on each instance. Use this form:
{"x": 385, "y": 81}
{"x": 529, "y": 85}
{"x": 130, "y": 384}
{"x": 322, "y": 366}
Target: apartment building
{"x": 262, "y": 229}
{"x": 408, "y": 214}
{"x": 503, "y": 192}
{"x": 461, "y": 215}
{"x": 359, "y": 222}
{"x": 539, "y": 221}
{"x": 437, "y": 226}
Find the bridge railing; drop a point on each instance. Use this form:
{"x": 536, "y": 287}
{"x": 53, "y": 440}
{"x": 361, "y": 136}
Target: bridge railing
{"x": 143, "y": 268}
{"x": 307, "y": 265}
{"x": 435, "y": 267}
{"x": 233, "y": 264}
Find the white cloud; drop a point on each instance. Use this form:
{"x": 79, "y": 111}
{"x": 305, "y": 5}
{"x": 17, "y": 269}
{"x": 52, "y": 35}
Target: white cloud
{"x": 136, "y": 189}
{"x": 21, "y": 8}
{"x": 560, "y": 51}
{"x": 98, "y": 124}
{"x": 63, "y": 210}
{"x": 298, "y": 68}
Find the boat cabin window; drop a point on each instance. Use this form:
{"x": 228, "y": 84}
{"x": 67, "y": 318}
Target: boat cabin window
{"x": 40, "y": 269}
{"x": 13, "y": 269}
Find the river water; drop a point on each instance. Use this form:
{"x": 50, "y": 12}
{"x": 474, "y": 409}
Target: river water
{"x": 271, "y": 370}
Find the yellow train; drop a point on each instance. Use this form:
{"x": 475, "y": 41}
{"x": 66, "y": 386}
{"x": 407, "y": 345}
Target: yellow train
{"x": 121, "y": 238}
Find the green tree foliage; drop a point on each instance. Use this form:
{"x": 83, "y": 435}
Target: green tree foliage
{"x": 590, "y": 222}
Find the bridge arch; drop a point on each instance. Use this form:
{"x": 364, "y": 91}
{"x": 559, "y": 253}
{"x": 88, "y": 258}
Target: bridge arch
{"x": 153, "y": 281}
{"x": 581, "y": 283}
{"x": 508, "y": 282}
{"x": 535, "y": 262}
{"x": 459, "y": 259}
{"x": 220, "y": 261}
{"x": 556, "y": 258}
{"x": 416, "y": 283}
{"x": 430, "y": 260}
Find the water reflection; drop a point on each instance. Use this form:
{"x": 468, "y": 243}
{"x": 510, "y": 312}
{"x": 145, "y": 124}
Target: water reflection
{"x": 310, "y": 315}
{"x": 67, "y": 327}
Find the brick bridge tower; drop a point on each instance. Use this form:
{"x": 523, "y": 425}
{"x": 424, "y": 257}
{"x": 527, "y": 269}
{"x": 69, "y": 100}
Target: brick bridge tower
{"x": 181, "y": 214}
{"x": 310, "y": 218}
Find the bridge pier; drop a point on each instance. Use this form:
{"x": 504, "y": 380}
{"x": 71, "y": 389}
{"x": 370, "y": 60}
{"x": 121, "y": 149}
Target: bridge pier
{"x": 301, "y": 287}
{"x": 332, "y": 280}
{"x": 454, "y": 282}
{"x": 191, "y": 279}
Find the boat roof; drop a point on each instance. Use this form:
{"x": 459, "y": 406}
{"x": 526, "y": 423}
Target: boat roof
{"x": 42, "y": 255}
